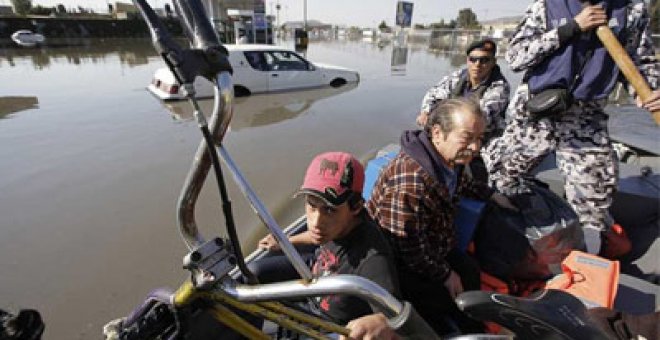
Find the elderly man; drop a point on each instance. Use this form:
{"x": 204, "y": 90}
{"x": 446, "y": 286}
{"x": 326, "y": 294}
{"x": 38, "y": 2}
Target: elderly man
{"x": 415, "y": 200}
{"x": 566, "y": 65}
{"x": 348, "y": 240}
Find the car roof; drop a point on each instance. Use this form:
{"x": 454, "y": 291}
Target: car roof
{"x": 255, "y": 47}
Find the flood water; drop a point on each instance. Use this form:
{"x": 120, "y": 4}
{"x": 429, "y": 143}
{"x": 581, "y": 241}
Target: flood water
{"x": 91, "y": 165}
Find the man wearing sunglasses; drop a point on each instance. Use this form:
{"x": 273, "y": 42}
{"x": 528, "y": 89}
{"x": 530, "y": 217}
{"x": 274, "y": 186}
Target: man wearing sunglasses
{"x": 482, "y": 81}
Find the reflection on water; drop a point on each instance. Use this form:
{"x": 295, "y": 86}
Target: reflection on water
{"x": 262, "y": 109}
{"x": 130, "y": 52}
{"x": 399, "y": 60}
{"x": 10, "y": 105}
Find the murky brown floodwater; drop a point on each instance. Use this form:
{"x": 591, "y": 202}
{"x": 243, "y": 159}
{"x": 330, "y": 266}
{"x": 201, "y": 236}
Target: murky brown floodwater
{"x": 91, "y": 165}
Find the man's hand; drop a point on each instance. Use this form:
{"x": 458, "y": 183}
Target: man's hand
{"x": 454, "y": 285}
{"x": 370, "y": 327}
{"x": 269, "y": 243}
{"x": 652, "y": 103}
{"x": 591, "y": 17}
{"x": 503, "y": 201}
{"x": 421, "y": 119}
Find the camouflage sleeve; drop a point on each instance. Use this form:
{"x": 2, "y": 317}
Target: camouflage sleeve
{"x": 439, "y": 92}
{"x": 494, "y": 103}
{"x": 640, "y": 45}
{"x": 532, "y": 41}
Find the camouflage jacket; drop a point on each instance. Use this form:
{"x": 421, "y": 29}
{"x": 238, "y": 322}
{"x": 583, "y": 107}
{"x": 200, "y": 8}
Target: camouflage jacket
{"x": 493, "y": 102}
{"x": 533, "y": 41}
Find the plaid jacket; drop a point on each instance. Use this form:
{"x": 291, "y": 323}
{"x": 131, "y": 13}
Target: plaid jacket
{"x": 417, "y": 214}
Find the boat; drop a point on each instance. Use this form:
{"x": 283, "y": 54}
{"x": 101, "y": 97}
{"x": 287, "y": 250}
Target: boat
{"x": 218, "y": 268}
{"x": 27, "y": 38}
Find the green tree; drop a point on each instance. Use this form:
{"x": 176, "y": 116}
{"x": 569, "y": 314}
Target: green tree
{"x": 383, "y": 27}
{"x": 467, "y": 19}
{"x": 40, "y": 10}
{"x": 22, "y": 7}
{"x": 443, "y": 24}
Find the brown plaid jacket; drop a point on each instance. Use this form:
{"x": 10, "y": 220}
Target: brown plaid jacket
{"x": 417, "y": 214}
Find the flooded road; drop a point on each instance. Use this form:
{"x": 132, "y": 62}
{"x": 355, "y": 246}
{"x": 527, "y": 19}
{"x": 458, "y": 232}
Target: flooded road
{"x": 91, "y": 165}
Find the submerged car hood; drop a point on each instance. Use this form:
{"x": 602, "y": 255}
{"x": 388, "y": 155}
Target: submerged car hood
{"x": 333, "y": 67}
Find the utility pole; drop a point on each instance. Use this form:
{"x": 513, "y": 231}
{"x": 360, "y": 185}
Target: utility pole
{"x": 278, "y": 7}
{"x": 305, "y": 15}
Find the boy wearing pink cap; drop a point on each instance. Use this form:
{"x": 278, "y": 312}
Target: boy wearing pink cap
{"x": 348, "y": 240}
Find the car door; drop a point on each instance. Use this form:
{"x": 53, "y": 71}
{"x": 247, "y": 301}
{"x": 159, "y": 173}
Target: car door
{"x": 291, "y": 71}
{"x": 250, "y": 70}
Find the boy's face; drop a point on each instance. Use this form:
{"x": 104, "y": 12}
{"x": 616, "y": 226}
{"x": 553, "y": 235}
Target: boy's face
{"x": 326, "y": 223}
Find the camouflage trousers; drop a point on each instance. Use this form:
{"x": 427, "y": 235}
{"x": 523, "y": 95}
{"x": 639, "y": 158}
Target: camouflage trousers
{"x": 584, "y": 156}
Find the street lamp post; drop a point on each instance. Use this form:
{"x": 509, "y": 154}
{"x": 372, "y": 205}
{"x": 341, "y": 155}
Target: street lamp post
{"x": 305, "y": 15}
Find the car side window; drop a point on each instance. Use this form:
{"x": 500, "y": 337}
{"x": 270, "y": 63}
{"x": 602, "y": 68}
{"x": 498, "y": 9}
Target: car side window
{"x": 256, "y": 60}
{"x": 287, "y": 61}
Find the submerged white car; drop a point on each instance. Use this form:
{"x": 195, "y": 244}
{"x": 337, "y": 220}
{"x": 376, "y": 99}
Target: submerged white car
{"x": 27, "y": 38}
{"x": 260, "y": 69}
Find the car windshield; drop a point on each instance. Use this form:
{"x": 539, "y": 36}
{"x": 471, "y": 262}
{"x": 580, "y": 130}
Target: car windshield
{"x": 285, "y": 61}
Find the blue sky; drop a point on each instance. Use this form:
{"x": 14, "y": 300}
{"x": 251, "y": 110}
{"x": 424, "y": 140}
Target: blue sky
{"x": 364, "y": 13}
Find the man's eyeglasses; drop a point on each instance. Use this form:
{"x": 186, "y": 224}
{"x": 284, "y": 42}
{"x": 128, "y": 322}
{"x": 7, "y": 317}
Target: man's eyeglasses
{"x": 482, "y": 60}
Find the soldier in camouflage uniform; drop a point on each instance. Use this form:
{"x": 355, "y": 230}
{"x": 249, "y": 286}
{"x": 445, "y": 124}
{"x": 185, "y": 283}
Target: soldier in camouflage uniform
{"x": 480, "y": 80}
{"x": 551, "y": 45}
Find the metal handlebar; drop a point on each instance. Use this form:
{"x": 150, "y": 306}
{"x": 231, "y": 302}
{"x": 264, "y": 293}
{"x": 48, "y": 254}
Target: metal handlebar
{"x": 327, "y": 285}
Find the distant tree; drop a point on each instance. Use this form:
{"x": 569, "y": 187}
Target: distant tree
{"x": 418, "y": 26}
{"x": 655, "y": 16}
{"x": 41, "y": 10}
{"x": 383, "y": 27}
{"x": 467, "y": 19}
{"x": 443, "y": 24}
{"x": 22, "y": 7}
{"x": 60, "y": 9}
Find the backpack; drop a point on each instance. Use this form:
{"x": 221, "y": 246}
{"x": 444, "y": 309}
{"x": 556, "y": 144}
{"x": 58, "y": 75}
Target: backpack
{"x": 531, "y": 243}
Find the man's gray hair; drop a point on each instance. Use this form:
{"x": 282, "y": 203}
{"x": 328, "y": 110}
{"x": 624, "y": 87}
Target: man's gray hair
{"x": 443, "y": 113}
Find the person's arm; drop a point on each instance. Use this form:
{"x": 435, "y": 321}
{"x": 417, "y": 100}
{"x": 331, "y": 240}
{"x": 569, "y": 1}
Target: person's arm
{"x": 400, "y": 212}
{"x": 437, "y": 93}
{"x": 532, "y": 42}
{"x": 269, "y": 242}
{"x": 370, "y": 327}
{"x": 640, "y": 47}
{"x": 494, "y": 103}
{"x": 380, "y": 269}
{"x": 483, "y": 192}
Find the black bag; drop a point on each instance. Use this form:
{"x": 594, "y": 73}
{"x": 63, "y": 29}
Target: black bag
{"x": 549, "y": 103}
{"x": 531, "y": 243}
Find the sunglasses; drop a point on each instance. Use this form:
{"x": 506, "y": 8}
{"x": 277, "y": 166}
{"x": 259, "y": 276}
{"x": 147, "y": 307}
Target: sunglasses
{"x": 482, "y": 60}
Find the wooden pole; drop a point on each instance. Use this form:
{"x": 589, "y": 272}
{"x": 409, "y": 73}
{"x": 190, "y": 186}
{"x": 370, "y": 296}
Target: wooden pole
{"x": 626, "y": 65}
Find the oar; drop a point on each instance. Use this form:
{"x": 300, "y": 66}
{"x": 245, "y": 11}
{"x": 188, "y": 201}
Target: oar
{"x": 626, "y": 65}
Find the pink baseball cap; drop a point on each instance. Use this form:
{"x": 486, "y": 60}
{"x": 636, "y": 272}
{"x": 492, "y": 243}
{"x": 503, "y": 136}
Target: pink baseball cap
{"x": 333, "y": 177}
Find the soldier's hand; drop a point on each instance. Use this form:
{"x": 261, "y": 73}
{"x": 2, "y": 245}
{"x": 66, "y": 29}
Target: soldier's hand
{"x": 652, "y": 103}
{"x": 269, "y": 243}
{"x": 591, "y": 17}
{"x": 421, "y": 119}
